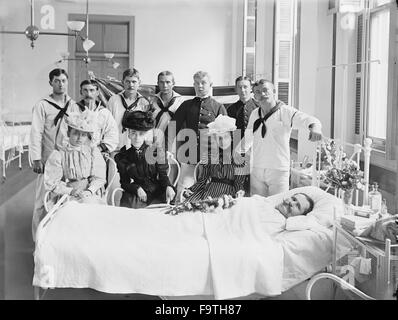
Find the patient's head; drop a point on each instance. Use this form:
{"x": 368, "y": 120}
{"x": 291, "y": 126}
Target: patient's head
{"x": 296, "y": 205}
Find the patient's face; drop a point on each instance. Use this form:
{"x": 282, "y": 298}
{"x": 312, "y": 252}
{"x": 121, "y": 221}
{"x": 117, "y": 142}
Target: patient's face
{"x": 295, "y": 205}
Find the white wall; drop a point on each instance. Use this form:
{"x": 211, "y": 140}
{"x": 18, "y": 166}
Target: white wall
{"x": 183, "y": 36}
{"x": 314, "y": 84}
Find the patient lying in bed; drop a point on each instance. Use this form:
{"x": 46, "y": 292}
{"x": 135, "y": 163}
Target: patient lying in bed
{"x": 146, "y": 251}
{"x": 290, "y": 214}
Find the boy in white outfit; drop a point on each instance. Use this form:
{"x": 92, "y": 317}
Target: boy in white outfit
{"x": 268, "y": 133}
{"x": 47, "y": 133}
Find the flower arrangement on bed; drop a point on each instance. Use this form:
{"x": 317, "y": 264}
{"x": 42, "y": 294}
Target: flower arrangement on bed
{"x": 209, "y": 205}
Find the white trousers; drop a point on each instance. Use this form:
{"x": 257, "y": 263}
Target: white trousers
{"x": 267, "y": 182}
{"x": 38, "y": 209}
{"x": 186, "y": 178}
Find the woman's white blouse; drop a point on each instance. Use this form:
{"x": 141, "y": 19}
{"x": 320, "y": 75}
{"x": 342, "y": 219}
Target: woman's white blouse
{"x": 74, "y": 163}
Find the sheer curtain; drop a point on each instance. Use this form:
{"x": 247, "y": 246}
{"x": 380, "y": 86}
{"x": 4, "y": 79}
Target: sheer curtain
{"x": 378, "y": 74}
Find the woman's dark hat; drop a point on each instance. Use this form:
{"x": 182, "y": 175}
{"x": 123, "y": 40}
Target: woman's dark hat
{"x": 138, "y": 120}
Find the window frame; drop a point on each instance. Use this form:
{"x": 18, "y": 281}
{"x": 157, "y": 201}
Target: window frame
{"x": 385, "y": 148}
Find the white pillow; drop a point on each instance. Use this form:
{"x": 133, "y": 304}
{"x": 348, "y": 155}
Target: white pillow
{"x": 324, "y": 203}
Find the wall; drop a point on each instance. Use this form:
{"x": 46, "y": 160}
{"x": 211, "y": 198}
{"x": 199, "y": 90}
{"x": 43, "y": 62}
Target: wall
{"x": 314, "y": 84}
{"x": 181, "y": 35}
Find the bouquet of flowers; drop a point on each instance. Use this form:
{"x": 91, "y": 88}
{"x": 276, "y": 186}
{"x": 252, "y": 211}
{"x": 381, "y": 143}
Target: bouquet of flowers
{"x": 328, "y": 154}
{"x": 208, "y": 205}
{"x": 346, "y": 176}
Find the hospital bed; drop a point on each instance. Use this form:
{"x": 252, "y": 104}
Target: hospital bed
{"x": 14, "y": 138}
{"x": 109, "y": 249}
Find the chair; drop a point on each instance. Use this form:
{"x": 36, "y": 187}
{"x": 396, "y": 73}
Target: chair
{"x": 173, "y": 173}
{"x": 111, "y": 175}
{"x": 195, "y": 177}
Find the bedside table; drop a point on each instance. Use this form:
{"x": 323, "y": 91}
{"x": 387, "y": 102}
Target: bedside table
{"x": 369, "y": 265}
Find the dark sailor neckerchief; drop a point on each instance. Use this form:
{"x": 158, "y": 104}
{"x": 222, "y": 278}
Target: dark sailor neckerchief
{"x": 164, "y": 109}
{"x": 131, "y": 106}
{"x": 83, "y": 107}
{"x": 62, "y": 111}
{"x": 261, "y": 120}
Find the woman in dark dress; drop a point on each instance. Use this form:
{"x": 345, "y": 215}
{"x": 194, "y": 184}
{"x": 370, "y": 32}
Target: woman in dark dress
{"x": 219, "y": 172}
{"x": 142, "y": 168}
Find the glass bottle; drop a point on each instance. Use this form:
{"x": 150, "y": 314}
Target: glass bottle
{"x": 375, "y": 199}
{"x": 384, "y": 209}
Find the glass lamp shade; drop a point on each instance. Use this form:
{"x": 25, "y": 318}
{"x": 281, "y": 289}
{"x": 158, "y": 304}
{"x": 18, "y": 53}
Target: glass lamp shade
{"x": 109, "y": 55}
{"x": 75, "y": 25}
{"x": 88, "y": 44}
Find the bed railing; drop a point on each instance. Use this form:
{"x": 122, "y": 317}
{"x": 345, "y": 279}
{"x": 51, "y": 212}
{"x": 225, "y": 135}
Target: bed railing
{"x": 357, "y": 150}
{"x": 48, "y": 217}
{"x": 344, "y": 285}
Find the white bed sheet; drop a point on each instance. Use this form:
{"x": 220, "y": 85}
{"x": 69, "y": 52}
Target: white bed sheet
{"x": 188, "y": 271}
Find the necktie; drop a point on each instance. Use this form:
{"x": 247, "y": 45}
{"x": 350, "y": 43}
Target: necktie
{"x": 82, "y": 105}
{"x": 164, "y": 109}
{"x": 62, "y": 111}
{"x": 131, "y": 106}
{"x": 262, "y": 120}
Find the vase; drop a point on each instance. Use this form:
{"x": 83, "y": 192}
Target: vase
{"x": 347, "y": 196}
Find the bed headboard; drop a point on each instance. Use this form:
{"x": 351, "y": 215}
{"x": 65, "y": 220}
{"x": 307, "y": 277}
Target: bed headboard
{"x": 357, "y": 152}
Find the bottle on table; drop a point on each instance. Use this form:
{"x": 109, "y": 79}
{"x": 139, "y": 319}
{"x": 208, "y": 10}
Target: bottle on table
{"x": 375, "y": 199}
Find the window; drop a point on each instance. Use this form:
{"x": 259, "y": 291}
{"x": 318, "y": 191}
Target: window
{"x": 249, "y": 38}
{"x": 373, "y": 110}
{"x": 286, "y": 42}
{"x": 378, "y": 77}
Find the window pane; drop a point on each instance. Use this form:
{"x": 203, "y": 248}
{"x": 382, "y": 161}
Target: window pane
{"x": 285, "y": 21}
{"x": 284, "y": 60}
{"x": 251, "y": 8}
{"x": 250, "y": 65}
{"x": 378, "y": 74}
{"x": 115, "y": 38}
{"x": 251, "y": 32}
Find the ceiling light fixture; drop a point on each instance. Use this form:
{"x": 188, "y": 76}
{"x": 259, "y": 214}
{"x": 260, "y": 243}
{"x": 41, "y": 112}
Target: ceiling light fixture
{"x": 32, "y": 32}
{"x": 87, "y": 45}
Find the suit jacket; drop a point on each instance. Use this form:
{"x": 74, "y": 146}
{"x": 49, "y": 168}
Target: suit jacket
{"x": 196, "y": 114}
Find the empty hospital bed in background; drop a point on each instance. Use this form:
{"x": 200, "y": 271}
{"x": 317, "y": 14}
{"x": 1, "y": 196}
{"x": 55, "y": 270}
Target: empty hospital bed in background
{"x": 14, "y": 140}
